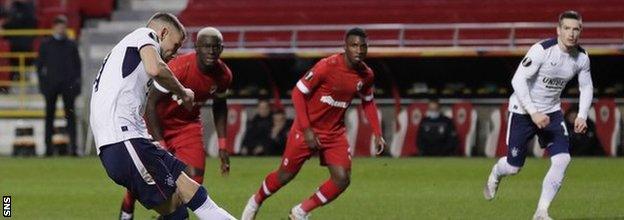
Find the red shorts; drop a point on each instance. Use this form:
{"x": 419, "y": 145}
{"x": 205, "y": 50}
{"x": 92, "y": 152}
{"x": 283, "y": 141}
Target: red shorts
{"x": 187, "y": 144}
{"x": 333, "y": 151}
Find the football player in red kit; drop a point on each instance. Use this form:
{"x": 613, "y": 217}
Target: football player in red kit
{"x": 179, "y": 130}
{"x": 320, "y": 99}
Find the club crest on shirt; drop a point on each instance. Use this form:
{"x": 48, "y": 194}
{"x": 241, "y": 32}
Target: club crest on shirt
{"x": 309, "y": 76}
{"x": 359, "y": 85}
{"x": 526, "y": 61}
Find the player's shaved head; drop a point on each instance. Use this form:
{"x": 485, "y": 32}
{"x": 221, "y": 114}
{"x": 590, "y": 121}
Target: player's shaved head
{"x": 210, "y": 32}
{"x": 160, "y": 19}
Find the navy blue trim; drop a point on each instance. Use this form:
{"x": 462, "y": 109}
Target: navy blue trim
{"x": 580, "y": 49}
{"x": 153, "y": 36}
{"x": 549, "y": 43}
{"x": 130, "y": 62}
{"x": 198, "y": 199}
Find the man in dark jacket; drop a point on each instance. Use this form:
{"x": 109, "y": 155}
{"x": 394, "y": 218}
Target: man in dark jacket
{"x": 59, "y": 71}
{"x": 583, "y": 144}
{"x": 436, "y": 134}
{"x": 257, "y": 137}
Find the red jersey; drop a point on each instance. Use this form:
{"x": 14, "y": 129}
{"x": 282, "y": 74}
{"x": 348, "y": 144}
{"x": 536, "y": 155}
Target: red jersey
{"x": 204, "y": 85}
{"x": 330, "y": 86}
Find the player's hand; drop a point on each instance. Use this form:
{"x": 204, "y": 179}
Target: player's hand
{"x": 580, "y": 125}
{"x": 188, "y": 98}
{"x": 380, "y": 144}
{"x": 311, "y": 139}
{"x": 225, "y": 162}
{"x": 540, "y": 119}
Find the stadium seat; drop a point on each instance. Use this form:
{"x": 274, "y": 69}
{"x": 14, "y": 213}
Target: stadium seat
{"x": 236, "y": 126}
{"x": 607, "y": 117}
{"x": 283, "y": 12}
{"x": 360, "y": 133}
{"x": 496, "y": 145}
{"x": 404, "y": 139}
{"x": 465, "y": 120}
{"x": 100, "y": 8}
{"x": 5, "y": 76}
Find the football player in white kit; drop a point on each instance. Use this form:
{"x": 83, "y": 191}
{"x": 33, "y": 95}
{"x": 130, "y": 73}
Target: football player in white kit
{"x": 123, "y": 144}
{"x": 535, "y": 107}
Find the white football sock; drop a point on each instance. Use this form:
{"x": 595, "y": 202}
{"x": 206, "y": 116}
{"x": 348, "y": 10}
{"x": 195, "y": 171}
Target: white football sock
{"x": 502, "y": 168}
{"x": 553, "y": 179}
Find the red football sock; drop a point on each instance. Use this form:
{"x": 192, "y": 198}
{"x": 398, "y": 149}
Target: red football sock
{"x": 269, "y": 186}
{"x": 326, "y": 193}
{"x": 128, "y": 203}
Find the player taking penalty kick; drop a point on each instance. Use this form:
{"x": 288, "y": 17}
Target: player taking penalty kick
{"x": 535, "y": 108}
{"x": 320, "y": 99}
{"x": 130, "y": 159}
{"x": 180, "y": 130}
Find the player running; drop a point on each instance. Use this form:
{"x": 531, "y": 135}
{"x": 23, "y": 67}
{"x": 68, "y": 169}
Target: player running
{"x": 180, "y": 130}
{"x": 320, "y": 99}
{"x": 535, "y": 107}
{"x": 150, "y": 173}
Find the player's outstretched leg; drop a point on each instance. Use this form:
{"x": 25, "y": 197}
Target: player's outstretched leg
{"x": 501, "y": 168}
{"x": 127, "y": 207}
{"x": 196, "y": 198}
{"x": 330, "y": 190}
{"x": 552, "y": 183}
{"x": 271, "y": 184}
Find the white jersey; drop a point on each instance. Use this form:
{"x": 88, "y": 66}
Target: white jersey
{"x": 120, "y": 90}
{"x": 543, "y": 74}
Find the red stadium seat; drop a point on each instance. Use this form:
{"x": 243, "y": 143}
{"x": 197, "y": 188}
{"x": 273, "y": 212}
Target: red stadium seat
{"x": 404, "y": 139}
{"x": 100, "y": 8}
{"x": 4, "y": 75}
{"x": 360, "y": 133}
{"x": 283, "y": 12}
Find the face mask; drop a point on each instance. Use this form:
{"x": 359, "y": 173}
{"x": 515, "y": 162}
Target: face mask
{"x": 433, "y": 114}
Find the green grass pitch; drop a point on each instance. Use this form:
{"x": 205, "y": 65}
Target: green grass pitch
{"x": 381, "y": 188}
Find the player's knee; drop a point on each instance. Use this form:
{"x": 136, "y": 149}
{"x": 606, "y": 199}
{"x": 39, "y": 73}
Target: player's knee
{"x": 196, "y": 174}
{"x": 513, "y": 170}
{"x": 508, "y": 169}
{"x": 562, "y": 159}
{"x": 342, "y": 181}
{"x": 167, "y": 207}
{"x": 284, "y": 177}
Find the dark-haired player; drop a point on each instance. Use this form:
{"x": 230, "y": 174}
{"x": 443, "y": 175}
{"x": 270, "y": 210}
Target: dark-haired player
{"x": 535, "y": 108}
{"x": 320, "y": 99}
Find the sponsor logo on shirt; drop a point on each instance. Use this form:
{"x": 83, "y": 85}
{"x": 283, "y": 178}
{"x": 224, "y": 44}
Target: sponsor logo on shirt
{"x": 359, "y": 85}
{"x": 309, "y": 76}
{"x": 526, "y": 61}
{"x": 330, "y": 101}
{"x": 554, "y": 83}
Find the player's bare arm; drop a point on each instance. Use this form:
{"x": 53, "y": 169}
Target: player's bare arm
{"x": 220, "y": 112}
{"x": 158, "y": 69}
{"x": 153, "y": 122}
